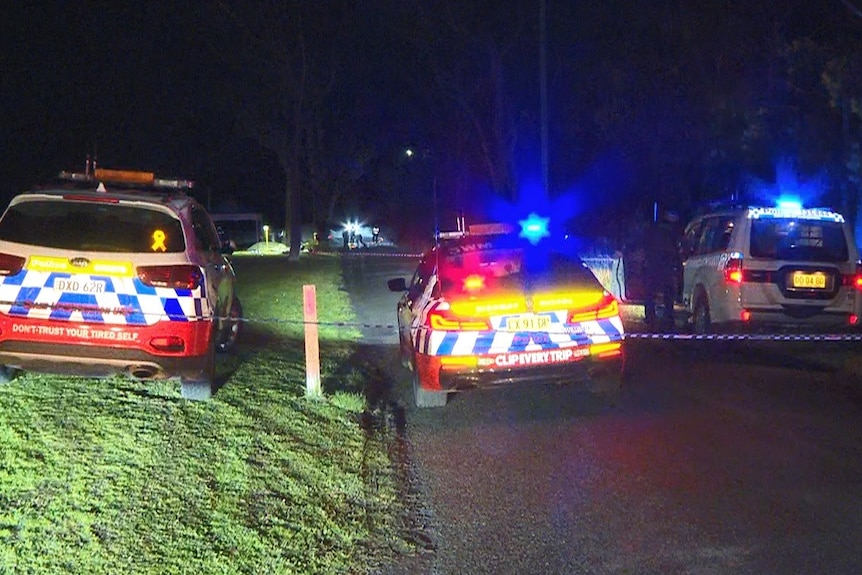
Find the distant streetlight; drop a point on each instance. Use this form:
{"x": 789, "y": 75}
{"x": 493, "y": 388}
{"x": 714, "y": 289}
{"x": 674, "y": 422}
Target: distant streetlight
{"x": 266, "y": 234}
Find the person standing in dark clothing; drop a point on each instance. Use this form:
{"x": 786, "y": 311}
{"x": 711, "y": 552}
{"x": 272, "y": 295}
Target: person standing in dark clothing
{"x": 661, "y": 267}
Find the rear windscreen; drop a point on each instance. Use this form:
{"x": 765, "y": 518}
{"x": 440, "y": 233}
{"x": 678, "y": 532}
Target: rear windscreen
{"x": 507, "y": 266}
{"x": 92, "y": 226}
{"x": 798, "y": 240}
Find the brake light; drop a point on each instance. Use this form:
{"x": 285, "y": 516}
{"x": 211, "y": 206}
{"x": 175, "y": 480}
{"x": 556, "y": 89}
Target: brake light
{"x": 83, "y": 198}
{"x": 446, "y": 320}
{"x": 10, "y": 265}
{"x": 174, "y": 277}
{"x": 733, "y": 269}
{"x": 604, "y": 308}
{"x": 855, "y": 280}
{"x": 474, "y": 283}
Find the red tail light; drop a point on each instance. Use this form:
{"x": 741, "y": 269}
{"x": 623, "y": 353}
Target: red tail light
{"x": 605, "y": 308}
{"x": 10, "y": 265}
{"x": 855, "y": 280}
{"x": 174, "y": 277}
{"x": 168, "y": 343}
{"x": 733, "y": 270}
{"x": 445, "y": 320}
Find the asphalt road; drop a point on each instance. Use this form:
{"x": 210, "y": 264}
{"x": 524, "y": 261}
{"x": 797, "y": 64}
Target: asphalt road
{"x": 722, "y": 457}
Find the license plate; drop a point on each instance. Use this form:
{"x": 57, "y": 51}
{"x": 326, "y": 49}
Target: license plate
{"x": 528, "y": 323}
{"x": 74, "y": 285}
{"x": 809, "y": 281}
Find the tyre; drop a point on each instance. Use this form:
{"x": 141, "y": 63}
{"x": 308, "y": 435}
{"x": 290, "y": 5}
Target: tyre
{"x": 701, "y": 322}
{"x": 7, "y": 374}
{"x": 405, "y": 352}
{"x": 425, "y": 398}
{"x": 202, "y": 386}
{"x": 231, "y": 330}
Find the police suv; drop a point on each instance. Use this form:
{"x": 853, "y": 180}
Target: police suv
{"x": 758, "y": 267}
{"x": 487, "y": 306}
{"x": 112, "y": 271}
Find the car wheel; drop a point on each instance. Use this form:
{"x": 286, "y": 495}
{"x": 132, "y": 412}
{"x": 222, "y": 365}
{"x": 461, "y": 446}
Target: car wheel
{"x": 233, "y": 326}
{"x": 701, "y": 322}
{"x": 405, "y": 351}
{"x": 202, "y": 386}
{"x": 425, "y": 398}
{"x": 7, "y": 374}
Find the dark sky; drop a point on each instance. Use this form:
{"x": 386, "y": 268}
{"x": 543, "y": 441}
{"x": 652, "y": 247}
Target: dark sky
{"x": 145, "y": 85}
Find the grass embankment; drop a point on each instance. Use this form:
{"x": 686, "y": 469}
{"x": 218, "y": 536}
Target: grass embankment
{"x": 114, "y": 476}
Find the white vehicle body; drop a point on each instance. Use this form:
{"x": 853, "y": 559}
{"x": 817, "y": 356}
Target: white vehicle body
{"x": 759, "y": 267}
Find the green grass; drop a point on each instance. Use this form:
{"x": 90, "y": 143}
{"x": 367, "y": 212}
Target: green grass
{"x": 114, "y": 476}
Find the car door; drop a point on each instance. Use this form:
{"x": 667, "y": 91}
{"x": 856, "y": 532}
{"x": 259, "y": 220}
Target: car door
{"x": 409, "y": 306}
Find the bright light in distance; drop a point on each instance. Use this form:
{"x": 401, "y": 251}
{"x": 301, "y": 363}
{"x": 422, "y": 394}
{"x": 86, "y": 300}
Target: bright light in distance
{"x": 534, "y": 228}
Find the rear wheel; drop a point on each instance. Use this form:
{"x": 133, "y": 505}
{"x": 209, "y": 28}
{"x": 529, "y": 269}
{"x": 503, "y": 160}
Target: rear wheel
{"x": 7, "y": 374}
{"x": 233, "y": 325}
{"x": 201, "y": 386}
{"x": 701, "y": 321}
{"x": 425, "y": 398}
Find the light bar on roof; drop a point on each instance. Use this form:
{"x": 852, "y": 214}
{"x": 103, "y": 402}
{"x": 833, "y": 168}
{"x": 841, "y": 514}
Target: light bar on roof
{"x": 124, "y": 176}
{"x": 820, "y": 214}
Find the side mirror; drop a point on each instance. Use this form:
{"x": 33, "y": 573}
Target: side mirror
{"x": 397, "y": 284}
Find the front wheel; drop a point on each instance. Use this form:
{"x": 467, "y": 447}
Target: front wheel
{"x": 425, "y": 398}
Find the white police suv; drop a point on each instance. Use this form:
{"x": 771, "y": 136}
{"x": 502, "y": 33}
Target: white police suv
{"x": 754, "y": 267}
{"x": 112, "y": 271}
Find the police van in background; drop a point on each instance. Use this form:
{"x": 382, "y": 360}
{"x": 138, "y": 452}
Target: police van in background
{"x": 748, "y": 268}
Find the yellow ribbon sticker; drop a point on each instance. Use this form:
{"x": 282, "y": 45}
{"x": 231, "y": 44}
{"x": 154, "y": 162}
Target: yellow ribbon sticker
{"x": 159, "y": 241}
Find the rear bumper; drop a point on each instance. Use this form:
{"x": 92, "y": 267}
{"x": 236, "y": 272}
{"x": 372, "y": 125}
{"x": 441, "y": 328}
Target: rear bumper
{"x": 101, "y": 349}
{"x": 451, "y": 373}
{"x": 760, "y": 319}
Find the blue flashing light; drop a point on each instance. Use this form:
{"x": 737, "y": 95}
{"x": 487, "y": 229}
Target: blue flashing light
{"x": 534, "y": 228}
{"x": 789, "y": 204}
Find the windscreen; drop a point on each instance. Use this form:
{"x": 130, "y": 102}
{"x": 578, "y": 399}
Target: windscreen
{"x": 505, "y": 265}
{"x": 92, "y": 226}
{"x": 798, "y": 240}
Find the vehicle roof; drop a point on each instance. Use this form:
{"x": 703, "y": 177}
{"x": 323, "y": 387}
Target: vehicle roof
{"x": 174, "y": 199}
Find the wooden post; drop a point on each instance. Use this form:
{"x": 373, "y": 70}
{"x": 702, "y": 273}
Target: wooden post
{"x": 312, "y": 345}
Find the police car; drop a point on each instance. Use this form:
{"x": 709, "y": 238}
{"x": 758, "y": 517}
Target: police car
{"x": 770, "y": 267}
{"x": 112, "y": 271}
{"x": 487, "y": 306}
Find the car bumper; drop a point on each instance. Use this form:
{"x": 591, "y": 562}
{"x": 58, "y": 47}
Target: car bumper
{"x": 567, "y": 365}
{"x": 102, "y": 350}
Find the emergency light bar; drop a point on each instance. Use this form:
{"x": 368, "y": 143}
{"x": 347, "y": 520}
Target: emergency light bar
{"x": 478, "y": 230}
{"x": 820, "y": 214}
{"x": 127, "y": 177}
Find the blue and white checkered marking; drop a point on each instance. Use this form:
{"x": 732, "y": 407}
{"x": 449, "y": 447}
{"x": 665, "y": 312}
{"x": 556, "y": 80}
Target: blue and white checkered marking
{"x": 124, "y": 301}
{"x": 495, "y": 342}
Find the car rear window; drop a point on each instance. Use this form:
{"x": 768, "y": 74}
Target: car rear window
{"x": 510, "y": 265}
{"x": 798, "y": 240}
{"x": 92, "y": 226}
